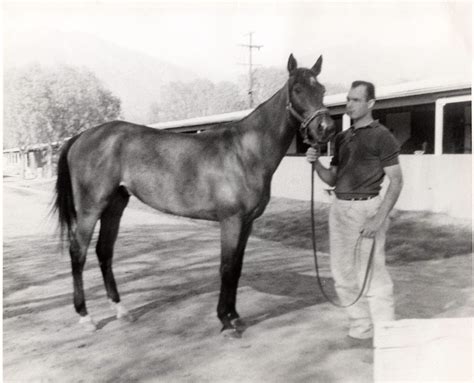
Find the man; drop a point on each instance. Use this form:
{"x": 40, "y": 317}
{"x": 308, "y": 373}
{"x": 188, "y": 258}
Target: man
{"x": 358, "y": 218}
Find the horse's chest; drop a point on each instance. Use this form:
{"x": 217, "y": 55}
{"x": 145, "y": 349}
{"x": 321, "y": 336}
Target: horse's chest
{"x": 247, "y": 194}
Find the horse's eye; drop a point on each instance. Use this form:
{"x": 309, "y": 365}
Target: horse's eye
{"x": 297, "y": 90}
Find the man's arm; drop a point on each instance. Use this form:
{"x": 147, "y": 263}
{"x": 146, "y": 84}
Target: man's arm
{"x": 394, "y": 174}
{"x": 326, "y": 175}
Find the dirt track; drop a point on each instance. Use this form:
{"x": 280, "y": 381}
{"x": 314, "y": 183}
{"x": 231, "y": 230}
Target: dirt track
{"x": 167, "y": 272}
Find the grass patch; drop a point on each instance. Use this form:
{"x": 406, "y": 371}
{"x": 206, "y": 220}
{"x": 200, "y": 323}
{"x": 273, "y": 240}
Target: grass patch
{"x": 413, "y": 236}
{"x": 288, "y": 222}
{"x": 417, "y": 236}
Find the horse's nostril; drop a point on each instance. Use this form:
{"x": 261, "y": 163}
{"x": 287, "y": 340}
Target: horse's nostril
{"x": 329, "y": 125}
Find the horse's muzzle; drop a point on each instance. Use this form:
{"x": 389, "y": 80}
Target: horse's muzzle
{"x": 321, "y": 131}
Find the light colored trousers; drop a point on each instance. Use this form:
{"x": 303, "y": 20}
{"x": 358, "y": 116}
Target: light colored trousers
{"x": 349, "y": 264}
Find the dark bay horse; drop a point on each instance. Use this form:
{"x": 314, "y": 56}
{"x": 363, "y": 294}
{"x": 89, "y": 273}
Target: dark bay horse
{"x": 223, "y": 174}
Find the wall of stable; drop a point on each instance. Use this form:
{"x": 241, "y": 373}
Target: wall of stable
{"x": 441, "y": 184}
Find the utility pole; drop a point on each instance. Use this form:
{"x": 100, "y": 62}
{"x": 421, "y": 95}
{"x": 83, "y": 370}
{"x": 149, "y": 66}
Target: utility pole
{"x": 250, "y": 64}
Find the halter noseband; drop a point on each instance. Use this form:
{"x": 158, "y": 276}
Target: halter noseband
{"x": 304, "y": 122}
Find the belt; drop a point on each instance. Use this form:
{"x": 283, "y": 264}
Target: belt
{"x": 357, "y": 198}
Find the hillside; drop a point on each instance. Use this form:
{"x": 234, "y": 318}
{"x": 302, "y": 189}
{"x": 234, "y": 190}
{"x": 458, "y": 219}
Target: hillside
{"x": 134, "y": 77}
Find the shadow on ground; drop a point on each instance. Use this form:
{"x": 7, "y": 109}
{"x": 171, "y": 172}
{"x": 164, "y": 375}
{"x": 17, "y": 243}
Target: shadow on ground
{"x": 172, "y": 263}
{"x": 178, "y": 263}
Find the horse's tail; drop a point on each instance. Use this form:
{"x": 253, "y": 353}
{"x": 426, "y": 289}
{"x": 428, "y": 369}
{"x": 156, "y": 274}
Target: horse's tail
{"x": 64, "y": 200}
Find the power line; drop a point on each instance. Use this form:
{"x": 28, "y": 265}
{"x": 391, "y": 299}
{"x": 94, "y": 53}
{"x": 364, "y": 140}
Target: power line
{"x": 250, "y": 64}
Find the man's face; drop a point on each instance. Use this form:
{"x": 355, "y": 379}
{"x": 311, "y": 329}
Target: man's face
{"x": 357, "y": 104}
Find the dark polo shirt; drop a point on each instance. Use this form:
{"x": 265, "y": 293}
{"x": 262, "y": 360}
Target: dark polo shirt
{"x": 360, "y": 156}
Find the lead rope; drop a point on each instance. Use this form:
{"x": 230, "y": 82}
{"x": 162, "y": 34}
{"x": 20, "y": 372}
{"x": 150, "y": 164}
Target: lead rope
{"x": 357, "y": 247}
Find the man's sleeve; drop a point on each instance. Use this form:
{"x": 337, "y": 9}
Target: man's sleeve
{"x": 389, "y": 149}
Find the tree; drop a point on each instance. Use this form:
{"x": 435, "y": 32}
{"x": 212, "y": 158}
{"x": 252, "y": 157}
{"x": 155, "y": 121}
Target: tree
{"x": 266, "y": 82}
{"x": 46, "y": 105}
{"x": 227, "y": 98}
{"x": 20, "y": 93}
{"x": 197, "y": 98}
{"x": 24, "y": 99}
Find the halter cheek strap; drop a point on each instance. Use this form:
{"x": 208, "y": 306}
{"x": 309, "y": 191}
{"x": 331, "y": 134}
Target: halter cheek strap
{"x": 304, "y": 122}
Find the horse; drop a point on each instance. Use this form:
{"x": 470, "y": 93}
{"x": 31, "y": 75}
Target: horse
{"x": 223, "y": 174}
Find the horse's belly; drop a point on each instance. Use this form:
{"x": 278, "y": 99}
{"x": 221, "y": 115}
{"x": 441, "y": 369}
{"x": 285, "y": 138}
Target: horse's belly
{"x": 174, "y": 198}
{"x": 210, "y": 201}
{"x": 196, "y": 190}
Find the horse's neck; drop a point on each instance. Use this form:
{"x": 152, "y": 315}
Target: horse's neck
{"x": 268, "y": 132}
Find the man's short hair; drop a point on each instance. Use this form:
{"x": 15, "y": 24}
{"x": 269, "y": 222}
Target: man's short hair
{"x": 369, "y": 88}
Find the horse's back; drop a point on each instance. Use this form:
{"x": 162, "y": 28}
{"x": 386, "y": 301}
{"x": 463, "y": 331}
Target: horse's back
{"x": 113, "y": 131}
{"x": 113, "y": 139}
{"x": 159, "y": 167}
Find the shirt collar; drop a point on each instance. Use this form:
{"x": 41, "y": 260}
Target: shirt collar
{"x": 373, "y": 124}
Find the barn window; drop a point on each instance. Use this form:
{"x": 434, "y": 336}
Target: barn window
{"x": 413, "y": 126}
{"x": 457, "y": 128}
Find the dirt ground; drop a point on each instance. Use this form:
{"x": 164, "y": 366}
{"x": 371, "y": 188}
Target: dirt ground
{"x": 167, "y": 272}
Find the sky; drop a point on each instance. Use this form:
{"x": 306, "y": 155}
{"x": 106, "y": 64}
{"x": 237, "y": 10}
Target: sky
{"x": 207, "y": 36}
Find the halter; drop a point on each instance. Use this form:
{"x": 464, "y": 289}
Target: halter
{"x": 304, "y": 122}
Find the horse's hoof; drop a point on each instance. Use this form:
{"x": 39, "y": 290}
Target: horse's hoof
{"x": 126, "y": 317}
{"x": 87, "y": 323}
{"x": 123, "y": 314}
{"x": 231, "y": 333}
{"x": 235, "y": 330}
{"x": 238, "y": 325}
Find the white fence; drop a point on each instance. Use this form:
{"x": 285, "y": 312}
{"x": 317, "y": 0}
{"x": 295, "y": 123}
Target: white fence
{"x": 441, "y": 184}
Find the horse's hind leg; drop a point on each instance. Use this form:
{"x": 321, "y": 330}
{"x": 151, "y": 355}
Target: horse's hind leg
{"x": 79, "y": 243}
{"x": 234, "y": 236}
{"x": 109, "y": 227}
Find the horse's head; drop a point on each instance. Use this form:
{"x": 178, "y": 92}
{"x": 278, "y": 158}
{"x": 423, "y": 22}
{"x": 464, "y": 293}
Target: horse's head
{"x": 305, "y": 103}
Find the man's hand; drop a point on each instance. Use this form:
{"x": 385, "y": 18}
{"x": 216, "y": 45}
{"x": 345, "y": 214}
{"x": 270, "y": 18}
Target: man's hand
{"x": 371, "y": 227}
{"x": 327, "y": 175}
{"x": 312, "y": 154}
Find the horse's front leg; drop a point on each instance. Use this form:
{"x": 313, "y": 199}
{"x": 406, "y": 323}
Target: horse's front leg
{"x": 234, "y": 235}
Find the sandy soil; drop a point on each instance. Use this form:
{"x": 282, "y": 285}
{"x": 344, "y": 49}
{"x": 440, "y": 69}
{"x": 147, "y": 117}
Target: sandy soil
{"x": 167, "y": 272}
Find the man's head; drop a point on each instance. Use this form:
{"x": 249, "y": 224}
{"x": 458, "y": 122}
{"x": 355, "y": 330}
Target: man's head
{"x": 360, "y": 99}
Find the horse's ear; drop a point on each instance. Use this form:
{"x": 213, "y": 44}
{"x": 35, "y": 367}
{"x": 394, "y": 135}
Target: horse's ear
{"x": 317, "y": 67}
{"x": 292, "y": 64}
